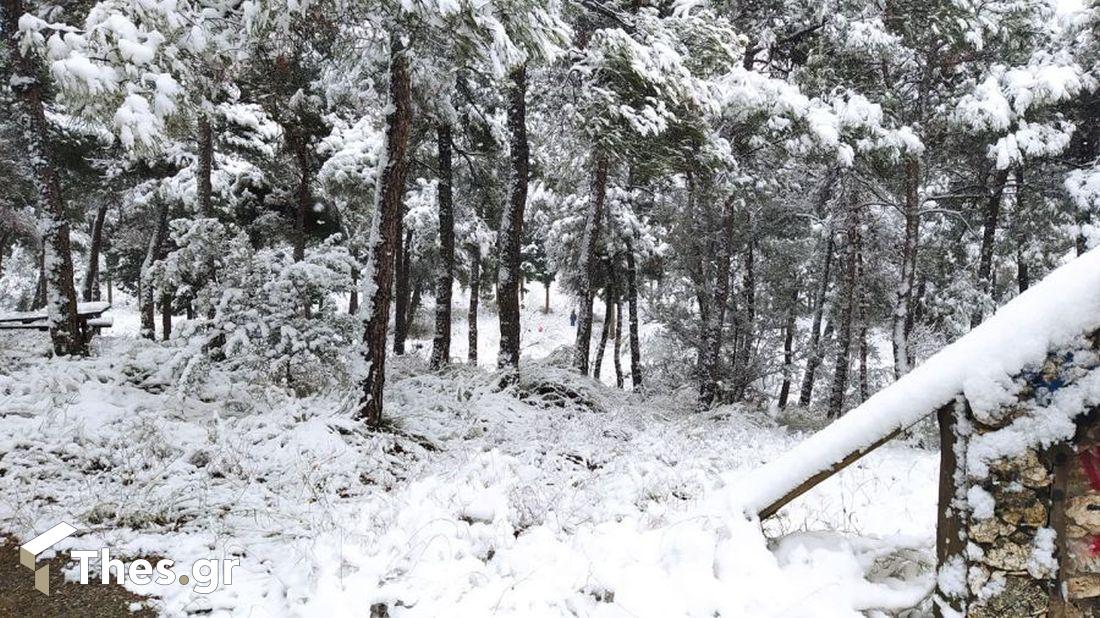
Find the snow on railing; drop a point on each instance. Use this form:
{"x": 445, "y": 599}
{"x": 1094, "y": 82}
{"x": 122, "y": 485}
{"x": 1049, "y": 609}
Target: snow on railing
{"x": 980, "y": 365}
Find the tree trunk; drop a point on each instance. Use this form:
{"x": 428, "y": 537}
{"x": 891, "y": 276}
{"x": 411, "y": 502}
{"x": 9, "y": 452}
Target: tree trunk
{"x": 847, "y": 302}
{"x": 441, "y": 342}
{"x": 146, "y": 292}
{"x": 712, "y": 333}
{"x": 511, "y": 225}
{"x": 587, "y": 264}
{"x": 91, "y": 274}
{"x": 546, "y": 304}
{"x": 618, "y": 342}
{"x": 206, "y": 166}
{"x": 814, "y": 359}
{"x": 990, "y": 217}
{"x": 383, "y": 241}
{"x": 788, "y": 349}
{"x": 632, "y": 310}
{"x": 53, "y": 224}
{"x": 861, "y": 300}
{"x": 4, "y": 249}
{"x": 1023, "y": 279}
{"x": 414, "y": 304}
{"x": 904, "y": 296}
{"x": 743, "y": 372}
{"x": 38, "y": 301}
{"x": 471, "y": 314}
{"x": 605, "y": 333}
{"x": 401, "y": 286}
{"x": 166, "y": 316}
{"x": 353, "y": 298}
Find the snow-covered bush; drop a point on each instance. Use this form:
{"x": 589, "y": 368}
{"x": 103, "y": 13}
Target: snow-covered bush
{"x": 258, "y": 312}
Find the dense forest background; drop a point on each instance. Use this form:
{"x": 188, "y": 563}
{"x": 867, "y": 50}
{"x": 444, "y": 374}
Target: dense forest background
{"x": 806, "y": 199}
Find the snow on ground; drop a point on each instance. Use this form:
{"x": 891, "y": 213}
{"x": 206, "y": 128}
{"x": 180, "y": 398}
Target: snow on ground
{"x": 556, "y": 496}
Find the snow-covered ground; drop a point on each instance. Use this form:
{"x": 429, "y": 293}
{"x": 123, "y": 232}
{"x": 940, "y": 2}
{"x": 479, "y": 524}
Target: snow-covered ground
{"x": 556, "y": 496}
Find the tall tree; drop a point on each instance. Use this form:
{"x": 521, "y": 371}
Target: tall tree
{"x": 378, "y": 275}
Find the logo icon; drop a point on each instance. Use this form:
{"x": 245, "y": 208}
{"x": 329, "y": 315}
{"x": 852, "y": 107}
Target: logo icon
{"x": 29, "y": 551}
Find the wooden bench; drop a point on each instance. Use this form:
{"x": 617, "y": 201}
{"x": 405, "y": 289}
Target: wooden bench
{"x": 89, "y": 317}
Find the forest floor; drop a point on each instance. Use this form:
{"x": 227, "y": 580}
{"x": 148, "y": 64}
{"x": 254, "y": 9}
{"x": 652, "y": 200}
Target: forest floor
{"x": 555, "y": 496}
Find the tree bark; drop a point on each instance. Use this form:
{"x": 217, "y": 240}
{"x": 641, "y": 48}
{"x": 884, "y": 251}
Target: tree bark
{"x": 511, "y": 225}
{"x": 441, "y": 342}
{"x": 618, "y": 342}
{"x": 588, "y": 263}
{"x": 206, "y": 165}
{"x": 401, "y": 285}
{"x": 146, "y": 292}
{"x": 605, "y": 332}
{"x": 990, "y": 217}
{"x": 847, "y": 302}
{"x": 4, "y": 249}
{"x": 746, "y": 323}
{"x": 53, "y": 223}
{"x": 383, "y": 241}
{"x": 91, "y": 274}
{"x": 166, "y": 316}
{"x": 712, "y": 333}
{"x": 788, "y": 349}
{"x": 632, "y": 311}
{"x": 861, "y": 317}
{"x": 353, "y": 298}
{"x": 471, "y": 313}
{"x": 904, "y": 296}
{"x": 814, "y": 359}
{"x": 38, "y": 301}
{"x": 1023, "y": 279}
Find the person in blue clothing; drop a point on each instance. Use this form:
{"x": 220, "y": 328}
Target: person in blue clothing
{"x": 573, "y": 318}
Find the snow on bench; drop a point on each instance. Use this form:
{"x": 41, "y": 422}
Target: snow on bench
{"x": 89, "y": 314}
{"x": 1062, "y": 307}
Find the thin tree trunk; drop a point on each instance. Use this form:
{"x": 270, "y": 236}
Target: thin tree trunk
{"x": 511, "y": 225}
{"x": 990, "y": 217}
{"x": 743, "y": 373}
{"x": 383, "y": 241}
{"x": 605, "y": 332}
{"x": 587, "y": 264}
{"x": 861, "y": 300}
{"x": 38, "y": 301}
{"x": 441, "y": 342}
{"x": 53, "y": 223}
{"x": 788, "y": 349}
{"x": 91, "y": 274}
{"x": 146, "y": 292}
{"x": 814, "y": 359}
{"x": 847, "y": 302}
{"x": 546, "y": 304}
{"x": 1023, "y": 279}
{"x": 904, "y": 294}
{"x": 401, "y": 286}
{"x": 414, "y": 304}
{"x": 353, "y": 298}
{"x": 712, "y": 334}
{"x": 206, "y": 165}
{"x": 618, "y": 342}
{"x": 471, "y": 313}
{"x": 166, "y": 316}
{"x": 4, "y": 249}
{"x": 632, "y": 311}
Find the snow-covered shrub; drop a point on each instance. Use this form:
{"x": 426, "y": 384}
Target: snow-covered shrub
{"x": 258, "y": 312}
